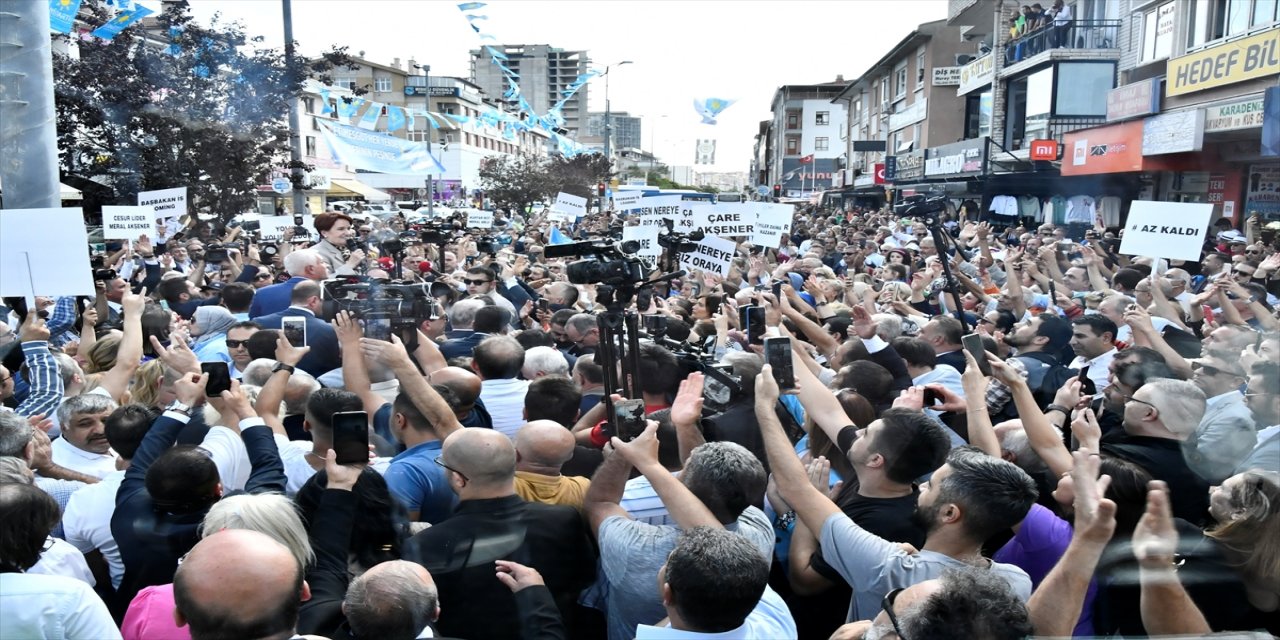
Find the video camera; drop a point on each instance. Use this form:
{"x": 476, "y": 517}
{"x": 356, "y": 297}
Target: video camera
{"x": 923, "y": 207}
{"x": 403, "y": 305}
{"x": 612, "y": 264}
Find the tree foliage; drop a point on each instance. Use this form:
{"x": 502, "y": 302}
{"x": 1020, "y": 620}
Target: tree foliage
{"x": 519, "y": 181}
{"x": 209, "y": 113}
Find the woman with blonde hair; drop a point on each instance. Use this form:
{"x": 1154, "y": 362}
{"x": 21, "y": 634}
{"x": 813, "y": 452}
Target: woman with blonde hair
{"x": 1246, "y": 507}
{"x": 153, "y": 385}
{"x": 102, "y": 355}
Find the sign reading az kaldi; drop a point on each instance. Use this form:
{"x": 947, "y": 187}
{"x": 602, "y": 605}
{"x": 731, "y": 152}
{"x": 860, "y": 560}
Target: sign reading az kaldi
{"x": 1044, "y": 150}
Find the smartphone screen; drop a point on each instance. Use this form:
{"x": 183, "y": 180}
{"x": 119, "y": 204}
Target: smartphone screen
{"x": 219, "y": 378}
{"x": 973, "y": 344}
{"x": 378, "y": 329}
{"x": 777, "y": 289}
{"x": 1086, "y": 383}
{"x": 351, "y": 437}
{"x": 777, "y": 353}
{"x": 544, "y": 305}
{"x": 744, "y": 317}
{"x": 295, "y": 331}
{"x": 629, "y": 416}
{"x": 755, "y": 324}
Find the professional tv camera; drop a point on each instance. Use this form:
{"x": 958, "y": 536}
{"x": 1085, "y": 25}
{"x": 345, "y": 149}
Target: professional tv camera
{"x": 922, "y": 206}
{"x": 612, "y": 264}
{"x": 398, "y": 307}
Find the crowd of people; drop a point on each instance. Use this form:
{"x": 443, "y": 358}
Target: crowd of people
{"x": 1034, "y": 29}
{"x": 1108, "y": 463}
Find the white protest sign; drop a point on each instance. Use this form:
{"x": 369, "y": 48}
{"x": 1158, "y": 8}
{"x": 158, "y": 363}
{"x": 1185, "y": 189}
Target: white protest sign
{"x": 773, "y": 221}
{"x": 272, "y": 228}
{"x": 44, "y": 252}
{"x": 713, "y": 255}
{"x": 693, "y": 214}
{"x": 647, "y": 237}
{"x": 1173, "y": 230}
{"x": 127, "y": 223}
{"x": 728, "y": 219}
{"x": 477, "y": 219}
{"x": 625, "y": 201}
{"x": 656, "y": 209}
{"x": 567, "y": 204}
{"x": 168, "y": 203}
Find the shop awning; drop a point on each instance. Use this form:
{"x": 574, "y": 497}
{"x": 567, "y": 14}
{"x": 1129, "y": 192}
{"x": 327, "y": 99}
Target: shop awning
{"x": 347, "y": 187}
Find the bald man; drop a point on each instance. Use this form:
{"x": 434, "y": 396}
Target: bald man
{"x": 542, "y": 448}
{"x": 491, "y": 523}
{"x": 255, "y": 595}
{"x": 394, "y": 599}
{"x": 465, "y": 384}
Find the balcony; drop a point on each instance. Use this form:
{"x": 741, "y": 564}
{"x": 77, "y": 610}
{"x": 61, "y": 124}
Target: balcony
{"x": 1077, "y": 35}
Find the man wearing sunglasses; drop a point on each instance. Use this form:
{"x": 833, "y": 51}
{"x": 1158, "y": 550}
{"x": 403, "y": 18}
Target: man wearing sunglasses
{"x": 1263, "y": 397}
{"x": 238, "y": 346}
{"x": 1226, "y": 434}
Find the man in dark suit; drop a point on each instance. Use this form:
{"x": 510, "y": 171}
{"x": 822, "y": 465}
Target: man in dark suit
{"x": 944, "y": 333}
{"x": 302, "y": 265}
{"x": 492, "y": 523}
{"x": 304, "y": 302}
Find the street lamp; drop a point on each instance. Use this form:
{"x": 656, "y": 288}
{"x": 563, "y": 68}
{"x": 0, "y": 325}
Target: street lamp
{"x": 426, "y": 98}
{"x": 608, "y": 132}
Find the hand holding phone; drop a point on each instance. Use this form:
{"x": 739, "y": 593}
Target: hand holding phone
{"x": 351, "y": 437}
{"x": 777, "y": 354}
{"x": 628, "y": 416}
{"x": 219, "y": 378}
{"x": 294, "y": 330}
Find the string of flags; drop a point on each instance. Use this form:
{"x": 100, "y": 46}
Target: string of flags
{"x": 366, "y": 114}
{"x": 63, "y": 13}
{"x": 528, "y": 118}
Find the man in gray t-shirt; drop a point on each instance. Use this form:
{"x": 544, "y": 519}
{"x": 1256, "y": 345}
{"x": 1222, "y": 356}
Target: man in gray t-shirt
{"x": 966, "y": 501}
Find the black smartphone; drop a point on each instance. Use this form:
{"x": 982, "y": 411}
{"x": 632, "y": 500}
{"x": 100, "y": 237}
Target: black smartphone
{"x": 930, "y": 397}
{"x": 351, "y": 437}
{"x": 295, "y": 331}
{"x": 777, "y": 289}
{"x": 378, "y": 329}
{"x": 629, "y": 417}
{"x": 544, "y": 305}
{"x": 755, "y": 324}
{"x": 973, "y": 344}
{"x": 1086, "y": 383}
{"x": 219, "y": 378}
{"x": 777, "y": 353}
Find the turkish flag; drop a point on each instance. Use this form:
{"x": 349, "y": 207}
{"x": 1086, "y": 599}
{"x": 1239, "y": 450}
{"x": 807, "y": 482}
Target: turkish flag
{"x": 806, "y": 159}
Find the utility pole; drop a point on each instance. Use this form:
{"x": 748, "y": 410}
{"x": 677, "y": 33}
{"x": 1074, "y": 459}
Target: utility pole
{"x": 426, "y": 99}
{"x": 295, "y": 127}
{"x": 28, "y": 130}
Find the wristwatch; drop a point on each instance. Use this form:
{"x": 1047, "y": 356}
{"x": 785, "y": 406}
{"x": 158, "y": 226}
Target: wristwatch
{"x": 180, "y": 407}
{"x": 280, "y": 366}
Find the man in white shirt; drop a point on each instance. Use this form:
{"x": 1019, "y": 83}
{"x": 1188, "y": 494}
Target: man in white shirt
{"x": 87, "y": 518}
{"x": 83, "y": 446}
{"x": 497, "y": 360}
{"x": 1093, "y": 338}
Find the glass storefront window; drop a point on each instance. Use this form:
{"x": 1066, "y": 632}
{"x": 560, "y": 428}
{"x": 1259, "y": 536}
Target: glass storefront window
{"x": 1082, "y": 88}
{"x": 1039, "y": 103}
{"x": 985, "y": 110}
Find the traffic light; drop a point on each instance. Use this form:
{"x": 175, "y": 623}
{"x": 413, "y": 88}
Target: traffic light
{"x": 777, "y": 191}
{"x": 600, "y": 189}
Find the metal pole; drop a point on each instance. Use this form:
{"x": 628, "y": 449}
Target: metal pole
{"x": 28, "y": 131}
{"x": 295, "y": 125}
{"x": 431, "y": 179}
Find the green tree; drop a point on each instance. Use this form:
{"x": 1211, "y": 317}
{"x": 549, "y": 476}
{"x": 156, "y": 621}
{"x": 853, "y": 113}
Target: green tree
{"x": 579, "y": 175}
{"x": 209, "y": 113}
{"x": 514, "y": 182}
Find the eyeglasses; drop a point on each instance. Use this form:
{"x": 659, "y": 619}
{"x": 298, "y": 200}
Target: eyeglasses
{"x": 236, "y": 344}
{"x": 440, "y": 461}
{"x": 1247, "y": 274}
{"x": 476, "y": 282}
{"x": 887, "y": 605}
{"x": 262, "y": 276}
{"x": 1129, "y": 399}
{"x": 1253, "y": 251}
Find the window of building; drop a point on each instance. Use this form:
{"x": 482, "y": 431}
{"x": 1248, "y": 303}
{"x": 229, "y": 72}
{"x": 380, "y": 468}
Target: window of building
{"x": 1082, "y": 88}
{"x": 915, "y": 135}
{"x": 793, "y": 120}
{"x": 382, "y": 84}
{"x": 900, "y": 82}
{"x": 821, "y": 144}
{"x": 308, "y": 105}
{"x": 977, "y": 109}
{"x": 920, "y": 64}
{"x": 1157, "y": 33}
{"x": 345, "y": 82}
{"x": 1039, "y": 99}
{"x": 822, "y": 118}
{"x": 315, "y": 124}
{"x": 884, "y": 92}
{"x": 857, "y": 109}
{"x": 310, "y": 148}
{"x": 1216, "y": 19}
{"x": 793, "y": 145}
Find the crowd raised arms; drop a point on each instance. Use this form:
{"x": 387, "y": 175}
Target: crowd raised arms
{"x": 884, "y": 427}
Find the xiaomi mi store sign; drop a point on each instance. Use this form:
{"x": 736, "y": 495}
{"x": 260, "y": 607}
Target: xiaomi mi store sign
{"x": 1228, "y": 63}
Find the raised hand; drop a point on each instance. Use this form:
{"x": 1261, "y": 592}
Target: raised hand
{"x": 687, "y": 408}
{"x": 1155, "y": 540}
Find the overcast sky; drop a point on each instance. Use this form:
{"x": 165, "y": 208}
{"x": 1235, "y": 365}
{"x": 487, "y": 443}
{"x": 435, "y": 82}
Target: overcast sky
{"x": 733, "y": 49}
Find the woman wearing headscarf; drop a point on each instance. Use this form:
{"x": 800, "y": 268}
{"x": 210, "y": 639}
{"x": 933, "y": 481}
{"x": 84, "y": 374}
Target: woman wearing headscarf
{"x": 209, "y": 326}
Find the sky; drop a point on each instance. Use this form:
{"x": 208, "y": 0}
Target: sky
{"x": 680, "y": 51}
